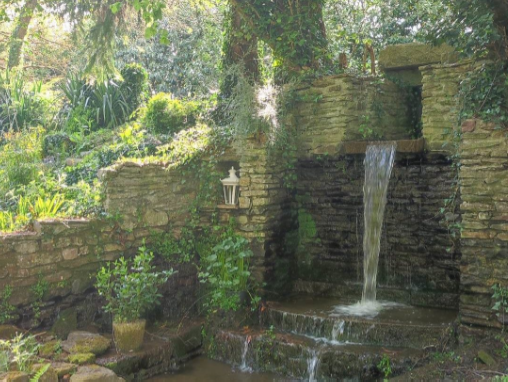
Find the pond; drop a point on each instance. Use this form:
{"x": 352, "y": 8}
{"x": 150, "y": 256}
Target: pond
{"x": 203, "y": 369}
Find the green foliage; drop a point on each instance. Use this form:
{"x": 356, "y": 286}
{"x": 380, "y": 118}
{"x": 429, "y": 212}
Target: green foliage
{"x": 134, "y": 85}
{"x": 38, "y": 375}
{"x": 189, "y": 65}
{"x": 130, "y": 287}
{"x": 38, "y": 290}
{"x": 6, "y": 309}
{"x": 503, "y": 352}
{"x": 500, "y": 298}
{"x": 56, "y": 144}
{"x": 21, "y": 108}
{"x": 165, "y": 115}
{"x": 225, "y": 271}
{"x": 385, "y": 366}
{"x": 484, "y": 95}
{"x": 19, "y": 353}
{"x": 20, "y": 158}
{"x": 105, "y": 104}
{"x": 293, "y": 30}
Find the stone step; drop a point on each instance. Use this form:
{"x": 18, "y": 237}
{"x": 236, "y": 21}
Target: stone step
{"x": 404, "y": 326}
{"x": 297, "y": 356}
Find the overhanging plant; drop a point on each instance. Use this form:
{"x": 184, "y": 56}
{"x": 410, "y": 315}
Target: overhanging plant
{"x": 130, "y": 287}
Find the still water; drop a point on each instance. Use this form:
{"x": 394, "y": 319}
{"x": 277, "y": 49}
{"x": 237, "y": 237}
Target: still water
{"x": 202, "y": 369}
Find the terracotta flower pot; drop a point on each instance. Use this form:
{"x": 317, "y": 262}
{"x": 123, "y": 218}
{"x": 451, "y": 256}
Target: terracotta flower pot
{"x": 128, "y": 336}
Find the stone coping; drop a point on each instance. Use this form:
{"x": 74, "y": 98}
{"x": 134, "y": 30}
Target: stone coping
{"x": 408, "y": 146}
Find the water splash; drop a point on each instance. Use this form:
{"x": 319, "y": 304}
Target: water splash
{"x": 337, "y": 330}
{"x": 243, "y": 366}
{"x": 367, "y": 309}
{"x": 379, "y": 160}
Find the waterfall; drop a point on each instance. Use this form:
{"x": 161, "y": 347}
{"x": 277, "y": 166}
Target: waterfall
{"x": 378, "y": 167}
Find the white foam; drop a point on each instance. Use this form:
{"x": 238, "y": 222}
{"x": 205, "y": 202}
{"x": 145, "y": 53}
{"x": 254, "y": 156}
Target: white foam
{"x": 368, "y": 309}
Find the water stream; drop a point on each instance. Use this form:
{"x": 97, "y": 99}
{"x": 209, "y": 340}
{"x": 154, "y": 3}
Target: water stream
{"x": 378, "y": 168}
{"x": 244, "y": 367}
{"x": 378, "y": 162}
{"x": 312, "y": 364}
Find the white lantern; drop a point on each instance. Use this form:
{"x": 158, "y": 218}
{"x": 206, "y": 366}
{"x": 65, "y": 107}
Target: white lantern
{"x": 231, "y": 187}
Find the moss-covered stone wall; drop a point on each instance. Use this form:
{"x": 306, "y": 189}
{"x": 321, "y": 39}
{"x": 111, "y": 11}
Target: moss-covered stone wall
{"x": 484, "y": 209}
{"x": 266, "y": 212}
{"x": 342, "y": 108}
{"x": 441, "y": 104}
{"x": 66, "y": 254}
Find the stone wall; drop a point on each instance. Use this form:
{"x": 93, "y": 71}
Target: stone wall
{"x": 484, "y": 208}
{"x": 335, "y": 109}
{"x": 68, "y": 253}
{"x": 419, "y": 259}
{"x": 440, "y": 104}
{"x": 266, "y": 212}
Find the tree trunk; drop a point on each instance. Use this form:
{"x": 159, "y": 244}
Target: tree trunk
{"x": 240, "y": 53}
{"x": 293, "y": 29}
{"x": 19, "y": 33}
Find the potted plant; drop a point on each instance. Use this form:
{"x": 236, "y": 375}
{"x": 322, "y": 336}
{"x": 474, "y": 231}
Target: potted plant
{"x": 130, "y": 287}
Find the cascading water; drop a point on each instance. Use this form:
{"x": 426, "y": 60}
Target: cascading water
{"x": 312, "y": 365}
{"x": 379, "y": 160}
{"x": 243, "y": 366}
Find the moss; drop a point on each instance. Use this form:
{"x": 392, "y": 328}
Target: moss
{"x": 66, "y": 322}
{"x": 96, "y": 345}
{"x": 48, "y": 349}
{"x": 82, "y": 358}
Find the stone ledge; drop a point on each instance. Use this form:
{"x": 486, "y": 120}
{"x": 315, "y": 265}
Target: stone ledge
{"x": 403, "y": 146}
{"x": 404, "y": 56}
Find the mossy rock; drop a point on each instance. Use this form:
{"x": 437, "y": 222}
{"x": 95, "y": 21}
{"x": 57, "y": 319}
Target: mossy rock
{"x": 14, "y": 376}
{"x": 85, "y": 342}
{"x": 66, "y": 322}
{"x": 95, "y": 373}
{"x": 48, "y": 349}
{"x": 63, "y": 368}
{"x": 50, "y": 375}
{"x": 82, "y": 358}
{"x": 8, "y": 332}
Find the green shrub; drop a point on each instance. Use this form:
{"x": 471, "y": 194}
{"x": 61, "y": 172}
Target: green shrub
{"x": 20, "y": 159}
{"x": 134, "y": 85}
{"x": 130, "y": 287}
{"x": 6, "y": 309}
{"x": 165, "y": 115}
{"x": 58, "y": 143}
{"x": 21, "y": 108}
{"x": 225, "y": 271}
{"x": 105, "y": 102}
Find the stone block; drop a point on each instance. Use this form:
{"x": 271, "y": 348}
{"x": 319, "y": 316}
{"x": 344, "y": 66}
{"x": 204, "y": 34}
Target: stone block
{"x": 404, "y": 56}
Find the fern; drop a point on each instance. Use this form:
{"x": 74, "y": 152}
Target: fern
{"x": 40, "y": 373}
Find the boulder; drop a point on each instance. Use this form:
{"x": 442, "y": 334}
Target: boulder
{"x": 48, "y": 349}
{"x": 82, "y": 358}
{"x": 50, "y": 375}
{"x": 66, "y": 322}
{"x": 8, "y": 332}
{"x": 95, "y": 373}
{"x": 85, "y": 342}
{"x": 14, "y": 376}
{"x": 63, "y": 368}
